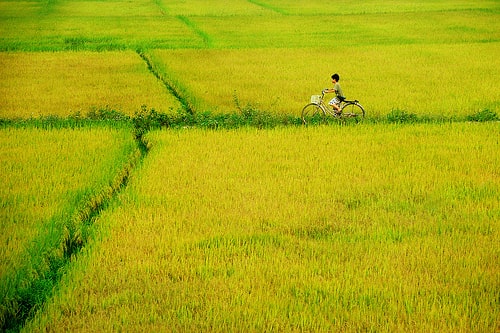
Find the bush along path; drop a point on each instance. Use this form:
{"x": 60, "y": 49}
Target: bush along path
{"x": 249, "y": 116}
{"x": 147, "y": 119}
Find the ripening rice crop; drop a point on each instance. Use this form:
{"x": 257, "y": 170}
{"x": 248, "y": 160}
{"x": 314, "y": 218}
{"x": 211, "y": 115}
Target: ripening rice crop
{"x": 65, "y": 83}
{"x": 366, "y": 228}
{"x": 49, "y": 179}
{"x": 420, "y": 80}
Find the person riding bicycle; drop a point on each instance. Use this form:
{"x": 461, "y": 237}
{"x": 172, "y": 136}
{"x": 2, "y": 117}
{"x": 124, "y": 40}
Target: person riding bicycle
{"x": 339, "y": 96}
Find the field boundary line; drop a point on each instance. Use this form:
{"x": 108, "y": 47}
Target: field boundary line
{"x": 186, "y": 104}
{"x": 268, "y": 7}
{"x": 163, "y": 10}
{"x": 207, "y": 41}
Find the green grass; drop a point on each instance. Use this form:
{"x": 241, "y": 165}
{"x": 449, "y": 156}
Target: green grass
{"x": 95, "y": 34}
{"x": 90, "y": 25}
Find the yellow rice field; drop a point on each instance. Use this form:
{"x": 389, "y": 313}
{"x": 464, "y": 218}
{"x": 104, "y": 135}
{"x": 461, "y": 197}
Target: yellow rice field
{"x": 379, "y": 227}
{"x": 64, "y": 83}
{"x": 341, "y": 228}
{"x": 48, "y": 178}
{"x": 435, "y": 81}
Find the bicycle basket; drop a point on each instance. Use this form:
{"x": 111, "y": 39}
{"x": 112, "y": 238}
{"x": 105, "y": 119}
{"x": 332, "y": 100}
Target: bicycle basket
{"x": 316, "y": 99}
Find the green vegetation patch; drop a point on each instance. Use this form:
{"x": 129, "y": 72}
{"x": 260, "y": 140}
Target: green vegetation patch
{"x": 117, "y": 26}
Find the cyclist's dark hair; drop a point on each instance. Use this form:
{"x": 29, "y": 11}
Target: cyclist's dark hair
{"x": 336, "y": 77}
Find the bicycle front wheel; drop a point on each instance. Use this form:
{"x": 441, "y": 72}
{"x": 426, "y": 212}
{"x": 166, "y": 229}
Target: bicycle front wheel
{"x": 353, "y": 110}
{"x": 312, "y": 113}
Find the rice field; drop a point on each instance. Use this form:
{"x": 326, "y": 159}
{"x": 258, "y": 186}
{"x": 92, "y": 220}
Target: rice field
{"x": 297, "y": 230}
{"x": 40, "y": 169}
{"x": 66, "y": 83}
{"x": 346, "y": 7}
{"x": 90, "y": 25}
{"x": 383, "y": 78}
{"x": 368, "y": 227}
{"x": 428, "y": 58}
{"x": 49, "y": 181}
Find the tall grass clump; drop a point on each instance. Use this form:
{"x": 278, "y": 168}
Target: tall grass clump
{"x": 400, "y": 116}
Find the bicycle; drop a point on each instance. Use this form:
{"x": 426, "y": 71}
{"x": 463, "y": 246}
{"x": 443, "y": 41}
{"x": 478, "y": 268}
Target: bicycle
{"x": 318, "y": 110}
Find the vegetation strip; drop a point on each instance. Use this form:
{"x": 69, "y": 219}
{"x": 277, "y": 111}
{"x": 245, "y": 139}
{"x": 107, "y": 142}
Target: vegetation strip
{"x": 206, "y": 38}
{"x": 147, "y": 119}
{"x": 249, "y": 116}
{"x": 184, "y": 102}
{"x": 162, "y": 8}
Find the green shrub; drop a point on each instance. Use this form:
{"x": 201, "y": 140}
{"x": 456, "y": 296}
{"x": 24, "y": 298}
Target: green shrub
{"x": 483, "y": 115}
{"x": 401, "y": 117}
{"x": 146, "y": 120}
{"x": 106, "y": 114}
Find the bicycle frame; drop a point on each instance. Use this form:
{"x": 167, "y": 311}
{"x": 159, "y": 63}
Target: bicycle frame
{"x": 348, "y": 108}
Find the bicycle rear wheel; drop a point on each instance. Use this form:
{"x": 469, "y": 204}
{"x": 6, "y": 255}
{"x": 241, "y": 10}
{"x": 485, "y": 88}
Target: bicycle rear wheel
{"x": 312, "y": 113}
{"x": 353, "y": 110}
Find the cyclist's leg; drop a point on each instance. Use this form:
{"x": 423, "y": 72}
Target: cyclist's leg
{"x": 335, "y": 104}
